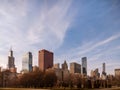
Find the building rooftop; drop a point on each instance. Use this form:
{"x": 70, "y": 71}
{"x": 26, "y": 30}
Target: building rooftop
{"x": 44, "y": 50}
{"x": 117, "y": 69}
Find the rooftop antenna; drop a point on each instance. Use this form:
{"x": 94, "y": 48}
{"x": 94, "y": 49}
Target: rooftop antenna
{"x": 10, "y": 48}
{"x": 11, "y": 52}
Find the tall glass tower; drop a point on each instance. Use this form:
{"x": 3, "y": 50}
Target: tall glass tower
{"x": 84, "y": 65}
{"x": 27, "y": 62}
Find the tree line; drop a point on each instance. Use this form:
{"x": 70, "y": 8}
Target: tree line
{"x": 39, "y": 79}
{"x": 29, "y": 80}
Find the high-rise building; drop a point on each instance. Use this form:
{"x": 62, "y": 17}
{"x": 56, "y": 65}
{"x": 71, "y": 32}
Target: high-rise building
{"x": 57, "y": 66}
{"x": 95, "y": 73}
{"x": 35, "y": 68}
{"x": 92, "y": 73}
{"x": 27, "y": 62}
{"x": 11, "y": 60}
{"x": 75, "y": 68}
{"x": 0, "y": 69}
{"x": 103, "y": 66}
{"x": 65, "y": 66}
{"x": 45, "y": 59}
{"x": 117, "y": 72}
{"x": 65, "y": 71}
{"x": 84, "y": 65}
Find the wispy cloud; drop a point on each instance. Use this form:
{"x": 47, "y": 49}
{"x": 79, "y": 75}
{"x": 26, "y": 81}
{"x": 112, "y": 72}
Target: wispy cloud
{"x": 100, "y": 43}
{"x": 97, "y": 52}
{"x": 46, "y": 28}
{"x": 52, "y": 22}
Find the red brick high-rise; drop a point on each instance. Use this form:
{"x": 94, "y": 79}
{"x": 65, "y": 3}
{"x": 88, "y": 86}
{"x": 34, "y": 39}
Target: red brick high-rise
{"x": 45, "y": 59}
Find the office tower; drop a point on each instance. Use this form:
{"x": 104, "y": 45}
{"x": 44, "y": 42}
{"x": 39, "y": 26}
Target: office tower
{"x": 65, "y": 66}
{"x": 92, "y": 73}
{"x": 117, "y": 72}
{"x": 11, "y": 65}
{"x": 65, "y": 71}
{"x": 57, "y": 66}
{"x": 27, "y": 62}
{"x": 11, "y": 60}
{"x": 35, "y": 68}
{"x": 95, "y": 73}
{"x": 103, "y": 67}
{"x": 75, "y": 68}
{"x": 0, "y": 69}
{"x": 84, "y": 65}
{"x": 45, "y": 59}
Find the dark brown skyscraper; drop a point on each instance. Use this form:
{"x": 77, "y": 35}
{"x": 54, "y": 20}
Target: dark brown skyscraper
{"x": 45, "y": 59}
{"x": 11, "y": 60}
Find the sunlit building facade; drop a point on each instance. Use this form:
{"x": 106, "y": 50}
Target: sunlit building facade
{"x": 75, "y": 68}
{"x": 84, "y": 65}
{"x": 45, "y": 59}
{"x": 27, "y": 62}
{"x": 117, "y": 72}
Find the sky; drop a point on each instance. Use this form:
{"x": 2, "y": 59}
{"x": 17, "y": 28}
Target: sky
{"x": 72, "y": 29}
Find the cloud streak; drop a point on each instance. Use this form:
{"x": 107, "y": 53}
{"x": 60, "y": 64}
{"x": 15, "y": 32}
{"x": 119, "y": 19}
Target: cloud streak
{"x": 97, "y": 52}
{"x": 53, "y": 23}
{"x": 43, "y": 28}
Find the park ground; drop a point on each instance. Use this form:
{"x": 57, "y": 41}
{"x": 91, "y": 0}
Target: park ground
{"x": 117, "y": 88}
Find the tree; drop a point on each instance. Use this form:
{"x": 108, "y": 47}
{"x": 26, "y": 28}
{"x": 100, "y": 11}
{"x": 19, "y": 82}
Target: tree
{"x": 117, "y": 79}
{"x": 1, "y": 79}
{"x": 76, "y": 80}
{"x": 32, "y": 79}
{"x": 50, "y": 78}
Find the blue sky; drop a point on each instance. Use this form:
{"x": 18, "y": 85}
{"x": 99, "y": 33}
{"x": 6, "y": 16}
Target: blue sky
{"x": 71, "y": 29}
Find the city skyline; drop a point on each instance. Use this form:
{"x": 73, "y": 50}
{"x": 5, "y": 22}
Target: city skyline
{"x": 71, "y": 29}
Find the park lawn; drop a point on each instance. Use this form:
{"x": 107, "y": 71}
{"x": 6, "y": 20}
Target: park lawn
{"x": 39, "y": 89}
{"x": 57, "y": 89}
{"x": 21, "y": 89}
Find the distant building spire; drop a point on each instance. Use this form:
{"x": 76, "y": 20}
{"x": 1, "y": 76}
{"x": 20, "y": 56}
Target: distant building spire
{"x": 10, "y": 48}
{"x": 11, "y": 52}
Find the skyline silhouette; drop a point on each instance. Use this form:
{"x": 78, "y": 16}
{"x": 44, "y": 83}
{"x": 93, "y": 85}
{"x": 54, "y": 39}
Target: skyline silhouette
{"x": 71, "y": 29}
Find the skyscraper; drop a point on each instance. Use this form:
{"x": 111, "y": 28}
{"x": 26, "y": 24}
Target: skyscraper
{"x": 27, "y": 62}
{"x": 65, "y": 66}
{"x": 57, "y": 66}
{"x": 11, "y": 60}
{"x": 45, "y": 59}
{"x": 84, "y": 65}
{"x": 103, "y": 66}
{"x": 75, "y": 68}
{"x": 95, "y": 73}
{"x": 117, "y": 72}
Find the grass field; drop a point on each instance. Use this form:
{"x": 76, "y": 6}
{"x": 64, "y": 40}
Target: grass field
{"x": 56, "y": 89}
